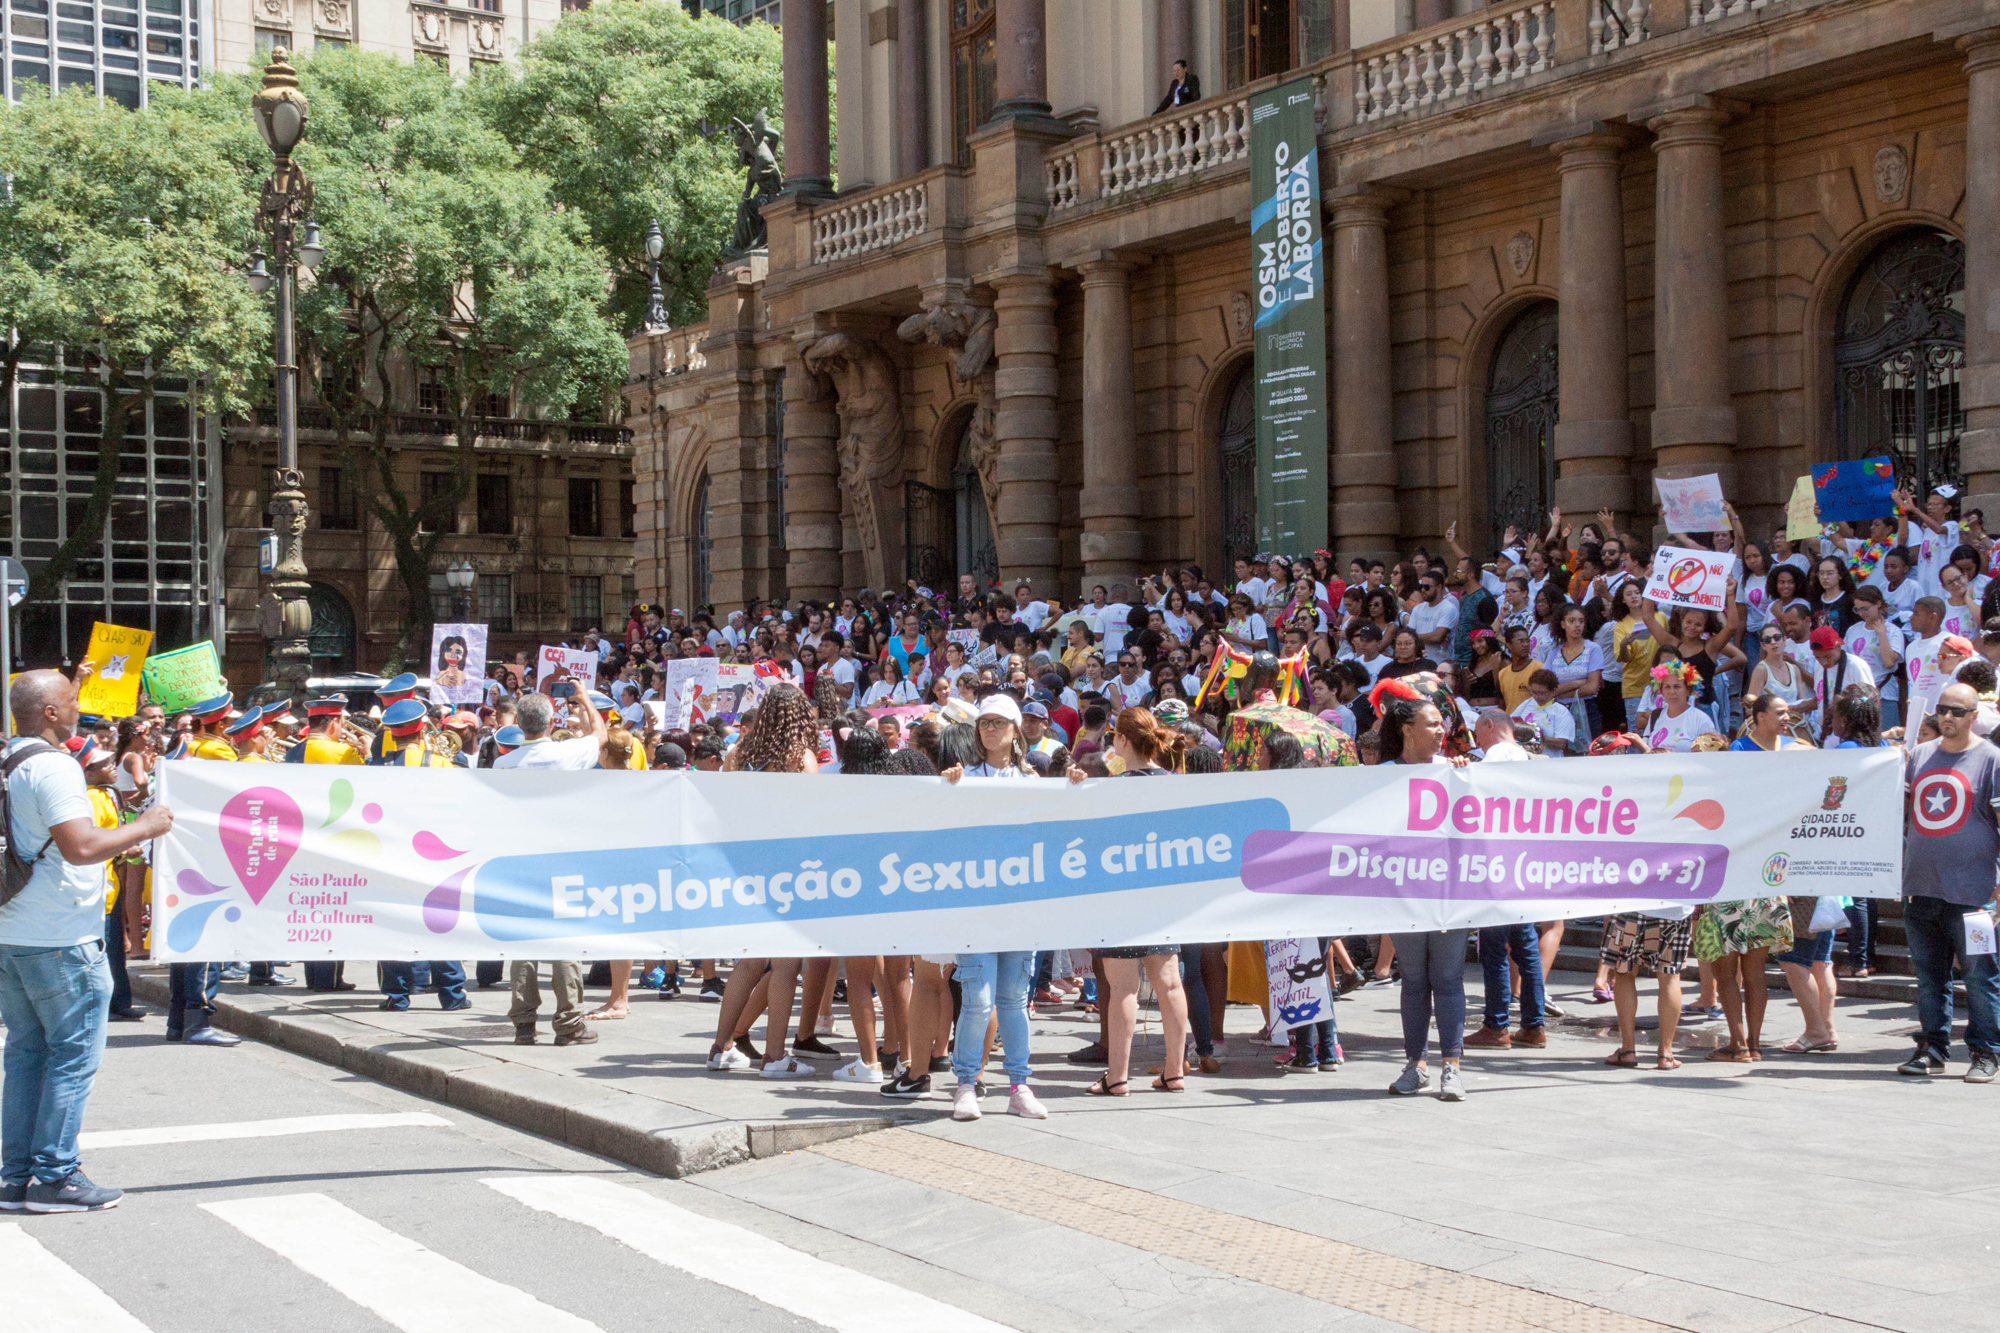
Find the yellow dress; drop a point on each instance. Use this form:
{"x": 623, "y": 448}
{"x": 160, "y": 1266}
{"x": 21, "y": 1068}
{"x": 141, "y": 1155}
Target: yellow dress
{"x": 1249, "y": 981}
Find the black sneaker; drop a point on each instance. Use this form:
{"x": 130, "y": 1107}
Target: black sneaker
{"x": 840, "y": 992}
{"x": 1300, "y": 1064}
{"x": 670, "y": 986}
{"x": 13, "y": 1198}
{"x": 905, "y": 1088}
{"x": 72, "y": 1194}
{"x": 940, "y": 1064}
{"x": 1092, "y": 1054}
{"x": 815, "y": 1046}
{"x": 1984, "y": 1067}
{"x": 744, "y": 1045}
{"x": 712, "y": 989}
{"x": 1923, "y": 1064}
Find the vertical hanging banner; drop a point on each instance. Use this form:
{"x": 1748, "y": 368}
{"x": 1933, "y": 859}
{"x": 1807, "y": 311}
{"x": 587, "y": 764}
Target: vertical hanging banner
{"x": 1288, "y": 258}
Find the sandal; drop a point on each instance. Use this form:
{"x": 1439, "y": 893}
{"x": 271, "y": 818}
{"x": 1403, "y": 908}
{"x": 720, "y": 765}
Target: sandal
{"x": 1798, "y": 1047}
{"x": 1165, "y": 1084}
{"x": 1734, "y": 1055}
{"x": 1822, "y": 1047}
{"x": 1104, "y": 1087}
{"x": 1667, "y": 1062}
{"x": 606, "y": 1011}
{"x": 1624, "y": 1058}
{"x": 1600, "y": 995}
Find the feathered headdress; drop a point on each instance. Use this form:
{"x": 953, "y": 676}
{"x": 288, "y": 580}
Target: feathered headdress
{"x": 1683, "y": 672}
{"x": 1390, "y": 686}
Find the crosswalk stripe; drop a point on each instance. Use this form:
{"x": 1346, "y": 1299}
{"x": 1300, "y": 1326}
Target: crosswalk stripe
{"x": 45, "y": 1294}
{"x": 409, "y": 1286}
{"x": 253, "y": 1129}
{"x": 825, "y": 1293}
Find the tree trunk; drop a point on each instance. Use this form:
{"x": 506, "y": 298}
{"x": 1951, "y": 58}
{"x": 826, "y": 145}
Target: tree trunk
{"x": 89, "y": 535}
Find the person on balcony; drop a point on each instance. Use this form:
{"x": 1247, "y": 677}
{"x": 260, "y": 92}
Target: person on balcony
{"x": 1184, "y": 89}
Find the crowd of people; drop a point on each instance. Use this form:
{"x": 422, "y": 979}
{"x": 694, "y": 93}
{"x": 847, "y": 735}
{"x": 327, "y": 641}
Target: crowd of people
{"x": 1549, "y": 649}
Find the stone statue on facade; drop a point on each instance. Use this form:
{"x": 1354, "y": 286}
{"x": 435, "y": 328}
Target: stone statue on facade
{"x": 757, "y": 148}
{"x": 960, "y": 326}
{"x": 871, "y": 439}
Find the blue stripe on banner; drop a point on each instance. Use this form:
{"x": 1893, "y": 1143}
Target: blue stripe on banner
{"x": 639, "y": 889}
{"x": 1285, "y": 299}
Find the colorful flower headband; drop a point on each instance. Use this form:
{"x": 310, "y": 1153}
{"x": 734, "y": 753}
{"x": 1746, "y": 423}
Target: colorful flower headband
{"x": 1684, "y": 672}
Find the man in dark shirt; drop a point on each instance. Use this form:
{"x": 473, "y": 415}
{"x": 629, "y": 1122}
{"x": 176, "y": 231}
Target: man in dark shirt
{"x": 1184, "y": 89}
{"x": 1951, "y": 859}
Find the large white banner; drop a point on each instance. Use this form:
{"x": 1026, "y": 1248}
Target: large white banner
{"x": 278, "y": 861}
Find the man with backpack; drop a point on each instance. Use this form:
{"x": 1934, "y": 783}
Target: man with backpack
{"x": 55, "y": 982}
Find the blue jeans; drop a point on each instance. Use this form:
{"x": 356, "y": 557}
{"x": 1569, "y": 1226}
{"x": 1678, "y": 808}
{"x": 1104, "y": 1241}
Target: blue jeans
{"x": 1433, "y": 984}
{"x": 1935, "y": 930}
{"x": 447, "y": 978}
{"x": 1201, "y": 1019}
{"x": 986, "y": 980}
{"x": 54, "y": 1002}
{"x": 1496, "y": 943}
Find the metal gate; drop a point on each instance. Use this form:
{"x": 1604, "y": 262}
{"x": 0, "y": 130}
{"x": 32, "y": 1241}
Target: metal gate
{"x": 930, "y": 536}
{"x": 1521, "y": 398}
{"x": 1237, "y": 446}
{"x": 1899, "y": 353}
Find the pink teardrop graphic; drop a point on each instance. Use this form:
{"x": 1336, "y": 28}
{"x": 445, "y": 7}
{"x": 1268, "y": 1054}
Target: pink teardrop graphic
{"x": 1708, "y": 814}
{"x": 441, "y": 903}
{"x": 431, "y": 847}
{"x": 260, "y": 833}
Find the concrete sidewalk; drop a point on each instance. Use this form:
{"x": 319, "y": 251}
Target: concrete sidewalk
{"x": 642, "y": 1093}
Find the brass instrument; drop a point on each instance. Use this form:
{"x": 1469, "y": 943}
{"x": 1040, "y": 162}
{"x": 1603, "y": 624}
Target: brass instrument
{"x": 443, "y": 742}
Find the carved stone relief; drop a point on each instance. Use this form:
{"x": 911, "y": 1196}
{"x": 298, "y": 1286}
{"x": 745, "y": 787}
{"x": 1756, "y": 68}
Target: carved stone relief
{"x": 1892, "y": 173}
{"x": 967, "y": 329}
{"x": 430, "y": 28}
{"x": 871, "y": 439}
{"x": 1521, "y": 253}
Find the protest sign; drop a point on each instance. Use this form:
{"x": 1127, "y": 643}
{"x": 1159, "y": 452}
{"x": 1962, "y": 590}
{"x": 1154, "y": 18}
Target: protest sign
{"x": 1801, "y": 511}
{"x": 184, "y": 677}
{"x": 574, "y": 663}
{"x": 1855, "y": 491}
{"x": 277, "y": 860}
{"x": 117, "y": 655}
{"x": 1692, "y": 504}
{"x": 738, "y": 689}
{"x": 690, "y": 691}
{"x": 967, "y": 639}
{"x": 458, "y": 664}
{"x": 906, "y": 715}
{"x": 1688, "y": 576}
{"x": 1301, "y": 995}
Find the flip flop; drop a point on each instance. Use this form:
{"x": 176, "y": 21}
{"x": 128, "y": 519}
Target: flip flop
{"x": 1729, "y": 1055}
{"x": 1799, "y": 1047}
{"x": 1667, "y": 1062}
{"x": 1822, "y": 1047}
{"x": 1623, "y": 1058}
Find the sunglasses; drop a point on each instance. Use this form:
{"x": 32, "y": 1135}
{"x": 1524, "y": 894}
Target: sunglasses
{"x": 1771, "y": 638}
{"x": 1952, "y": 710}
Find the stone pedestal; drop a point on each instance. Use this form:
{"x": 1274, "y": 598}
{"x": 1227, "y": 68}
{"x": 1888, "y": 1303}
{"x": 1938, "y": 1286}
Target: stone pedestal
{"x": 1979, "y": 449}
{"x": 1024, "y": 422}
{"x": 1366, "y": 518}
{"x": 1593, "y": 436}
{"x": 1110, "y": 499}
{"x": 1694, "y": 423}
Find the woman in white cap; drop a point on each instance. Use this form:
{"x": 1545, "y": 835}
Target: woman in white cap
{"x": 994, "y": 980}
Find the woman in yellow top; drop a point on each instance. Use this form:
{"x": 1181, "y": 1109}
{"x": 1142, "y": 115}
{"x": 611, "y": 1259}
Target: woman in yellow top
{"x": 1632, "y": 643}
{"x": 1078, "y": 646}
{"x": 100, "y": 776}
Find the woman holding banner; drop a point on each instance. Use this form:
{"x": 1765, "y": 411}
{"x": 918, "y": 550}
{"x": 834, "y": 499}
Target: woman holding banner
{"x": 1413, "y": 732}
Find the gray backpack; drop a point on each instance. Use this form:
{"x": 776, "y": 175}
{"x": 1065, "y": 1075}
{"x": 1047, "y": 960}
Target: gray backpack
{"x": 15, "y": 870}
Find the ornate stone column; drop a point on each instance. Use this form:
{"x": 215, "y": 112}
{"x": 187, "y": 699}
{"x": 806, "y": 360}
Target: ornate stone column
{"x": 1024, "y": 421}
{"x": 1366, "y": 517}
{"x": 812, "y": 492}
{"x": 1694, "y": 423}
{"x": 913, "y": 91}
{"x": 1020, "y": 57}
{"x": 1176, "y": 40}
{"x": 1979, "y": 450}
{"x": 1593, "y": 440}
{"x": 808, "y": 161}
{"x": 1110, "y": 498}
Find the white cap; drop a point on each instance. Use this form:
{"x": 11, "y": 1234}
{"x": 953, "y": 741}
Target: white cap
{"x": 1001, "y": 705}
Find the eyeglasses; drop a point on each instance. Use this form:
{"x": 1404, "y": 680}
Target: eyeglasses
{"x": 1952, "y": 710}
{"x": 1771, "y": 638}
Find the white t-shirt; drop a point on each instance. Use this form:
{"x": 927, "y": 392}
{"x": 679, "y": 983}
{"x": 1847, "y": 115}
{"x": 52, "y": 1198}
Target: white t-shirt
{"x": 1962, "y": 620}
{"x": 1850, "y": 670}
{"x": 1558, "y": 728}
{"x": 845, "y": 671}
{"x": 1867, "y": 645}
{"x": 1926, "y": 681}
{"x": 62, "y": 905}
{"x": 1252, "y": 628}
{"x": 882, "y": 694}
{"x": 1507, "y": 752}
{"x": 575, "y": 754}
{"x": 1123, "y": 696}
{"x": 1425, "y": 618}
{"x": 1032, "y": 615}
{"x": 1902, "y": 600}
{"x": 1678, "y": 733}
{"x": 1373, "y": 665}
{"x": 1113, "y": 623}
{"x": 1933, "y": 552}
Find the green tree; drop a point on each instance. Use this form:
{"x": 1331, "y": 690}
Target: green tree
{"x": 610, "y": 104}
{"x": 120, "y": 234}
{"x": 443, "y": 252}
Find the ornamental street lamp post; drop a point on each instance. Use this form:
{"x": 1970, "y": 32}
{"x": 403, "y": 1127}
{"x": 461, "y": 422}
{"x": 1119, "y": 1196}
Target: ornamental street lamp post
{"x": 656, "y": 301}
{"x": 285, "y": 213}
{"x": 460, "y": 577}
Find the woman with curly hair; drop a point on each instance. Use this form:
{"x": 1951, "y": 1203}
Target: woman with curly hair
{"x": 1676, "y": 722}
{"x": 784, "y": 739}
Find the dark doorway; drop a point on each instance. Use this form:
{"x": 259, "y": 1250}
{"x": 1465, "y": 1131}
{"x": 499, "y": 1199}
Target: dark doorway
{"x": 1898, "y": 355}
{"x": 1521, "y": 393}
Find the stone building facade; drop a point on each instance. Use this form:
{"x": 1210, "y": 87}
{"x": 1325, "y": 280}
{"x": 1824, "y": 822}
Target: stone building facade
{"x": 1572, "y": 245}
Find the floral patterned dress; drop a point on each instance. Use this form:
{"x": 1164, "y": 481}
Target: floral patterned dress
{"x": 1754, "y": 923}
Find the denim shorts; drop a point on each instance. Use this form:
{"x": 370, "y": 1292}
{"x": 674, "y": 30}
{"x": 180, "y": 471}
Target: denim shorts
{"x": 1812, "y": 949}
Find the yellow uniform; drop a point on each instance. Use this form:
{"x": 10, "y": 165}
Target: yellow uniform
{"x": 104, "y": 814}
{"x": 327, "y": 750}
{"x": 211, "y": 747}
{"x": 252, "y": 757}
{"x": 416, "y": 756}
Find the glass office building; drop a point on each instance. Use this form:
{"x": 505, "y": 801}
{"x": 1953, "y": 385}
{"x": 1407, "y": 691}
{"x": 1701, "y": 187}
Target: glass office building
{"x": 119, "y": 48}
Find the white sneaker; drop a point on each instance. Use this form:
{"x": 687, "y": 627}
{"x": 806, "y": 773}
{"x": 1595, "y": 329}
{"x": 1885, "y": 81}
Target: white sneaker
{"x": 965, "y": 1103}
{"x": 1023, "y": 1103}
{"x": 789, "y": 1067}
{"x": 728, "y": 1058}
{"x": 854, "y": 1071}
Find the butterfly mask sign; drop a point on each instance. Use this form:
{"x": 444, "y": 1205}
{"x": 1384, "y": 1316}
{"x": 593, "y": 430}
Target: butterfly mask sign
{"x": 1687, "y": 576}
{"x": 1301, "y": 995}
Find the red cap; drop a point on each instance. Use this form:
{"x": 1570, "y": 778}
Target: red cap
{"x": 1824, "y": 640}
{"x": 1959, "y": 645}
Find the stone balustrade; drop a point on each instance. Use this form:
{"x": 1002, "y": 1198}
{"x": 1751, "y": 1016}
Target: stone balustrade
{"x": 1446, "y": 64}
{"x": 872, "y": 221}
{"x": 1714, "y": 11}
{"x": 1617, "y": 24}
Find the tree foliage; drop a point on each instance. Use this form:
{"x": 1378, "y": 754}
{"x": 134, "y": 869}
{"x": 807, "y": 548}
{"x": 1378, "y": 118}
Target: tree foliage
{"x": 610, "y": 104}
{"x": 119, "y": 235}
{"x": 444, "y": 252}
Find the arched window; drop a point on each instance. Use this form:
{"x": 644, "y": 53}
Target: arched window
{"x": 704, "y": 545}
{"x": 1521, "y": 392}
{"x": 1898, "y": 353}
{"x": 1236, "y": 450}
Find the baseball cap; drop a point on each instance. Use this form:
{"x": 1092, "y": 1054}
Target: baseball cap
{"x": 1824, "y": 639}
{"x": 1034, "y": 708}
{"x": 999, "y": 705}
